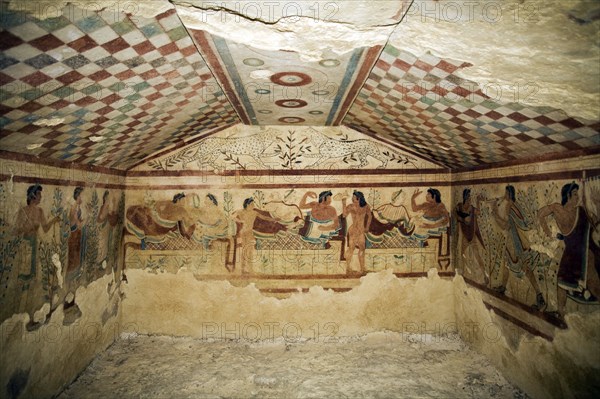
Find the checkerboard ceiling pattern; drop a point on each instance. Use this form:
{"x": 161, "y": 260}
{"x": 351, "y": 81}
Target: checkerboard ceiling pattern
{"x": 423, "y": 103}
{"x": 103, "y": 88}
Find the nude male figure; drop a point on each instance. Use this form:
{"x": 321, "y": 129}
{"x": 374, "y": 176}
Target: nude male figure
{"x": 361, "y": 220}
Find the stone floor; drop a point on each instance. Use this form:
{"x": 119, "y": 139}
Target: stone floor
{"x": 378, "y": 365}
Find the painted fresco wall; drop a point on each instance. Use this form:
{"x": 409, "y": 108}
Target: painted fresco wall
{"x": 336, "y": 225}
{"x": 285, "y": 148}
{"x": 267, "y": 204}
{"x": 60, "y": 234}
{"x": 272, "y": 270}
{"x": 525, "y": 239}
{"x": 232, "y": 251}
{"x": 287, "y": 232}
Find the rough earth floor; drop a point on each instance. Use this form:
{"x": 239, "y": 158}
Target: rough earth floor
{"x": 378, "y": 365}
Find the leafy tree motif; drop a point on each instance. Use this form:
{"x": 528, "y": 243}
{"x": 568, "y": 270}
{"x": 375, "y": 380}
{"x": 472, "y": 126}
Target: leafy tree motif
{"x": 289, "y": 151}
{"x": 227, "y": 203}
{"x": 377, "y": 262}
{"x": 493, "y": 239}
{"x": 234, "y": 161}
{"x": 182, "y": 262}
{"x": 155, "y": 266}
{"x": 400, "y": 159}
{"x": 374, "y": 198}
{"x": 92, "y": 238}
{"x": 59, "y": 210}
{"x": 528, "y": 203}
{"x": 113, "y": 248}
{"x": 172, "y": 160}
{"x": 9, "y": 245}
{"x": 527, "y": 200}
{"x": 47, "y": 268}
{"x": 259, "y": 198}
{"x": 349, "y": 158}
{"x": 157, "y": 164}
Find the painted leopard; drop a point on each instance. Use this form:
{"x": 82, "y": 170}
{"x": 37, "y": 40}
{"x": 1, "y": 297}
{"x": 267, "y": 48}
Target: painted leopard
{"x": 206, "y": 151}
{"x": 362, "y": 148}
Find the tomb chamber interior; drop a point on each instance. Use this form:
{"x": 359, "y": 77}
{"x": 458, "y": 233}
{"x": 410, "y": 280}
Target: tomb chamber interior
{"x": 283, "y": 199}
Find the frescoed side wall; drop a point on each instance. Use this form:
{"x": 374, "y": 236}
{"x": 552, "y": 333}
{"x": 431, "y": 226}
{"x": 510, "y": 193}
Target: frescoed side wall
{"x": 297, "y": 254}
{"x": 526, "y": 241}
{"x": 60, "y": 234}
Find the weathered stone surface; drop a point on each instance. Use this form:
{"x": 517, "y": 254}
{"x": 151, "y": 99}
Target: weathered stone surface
{"x": 535, "y": 52}
{"x": 41, "y": 362}
{"x": 308, "y": 29}
{"x": 376, "y": 365}
{"x": 53, "y": 8}
{"x": 566, "y": 367}
{"x": 380, "y": 302}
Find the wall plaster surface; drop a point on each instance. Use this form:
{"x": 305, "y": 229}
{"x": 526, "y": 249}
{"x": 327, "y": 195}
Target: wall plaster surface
{"x": 40, "y": 363}
{"x": 567, "y": 367}
{"x": 218, "y": 310}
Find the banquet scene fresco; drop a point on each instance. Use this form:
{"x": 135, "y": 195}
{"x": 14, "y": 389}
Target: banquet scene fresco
{"x": 182, "y": 167}
{"x": 340, "y": 225}
{"x": 290, "y": 232}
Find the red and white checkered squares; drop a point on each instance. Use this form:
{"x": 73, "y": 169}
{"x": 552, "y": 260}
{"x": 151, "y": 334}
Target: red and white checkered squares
{"x": 423, "y": 103}
{"x": 124, "y": 77}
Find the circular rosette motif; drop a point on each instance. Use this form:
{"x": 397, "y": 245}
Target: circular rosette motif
{"x": 291, "y": 103}
{"x": 253, "y": 62}
{"x": 291, "y": 79}
{"x": 329, "y": 63}
{"x": 291, "y": 119}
